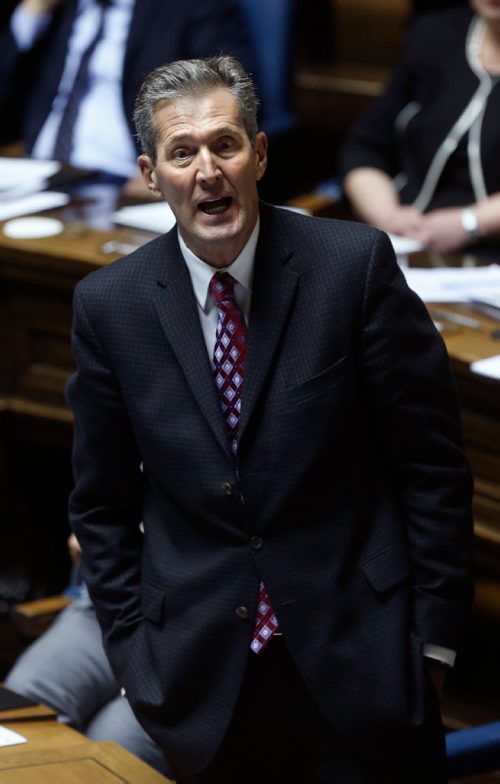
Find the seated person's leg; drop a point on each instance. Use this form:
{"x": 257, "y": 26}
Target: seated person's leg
{"x": 66, "y": 668}
{"x": 116, "y": 721}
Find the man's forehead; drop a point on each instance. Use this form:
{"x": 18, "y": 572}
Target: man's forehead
{"x": 199, "y": 104}
{"x": 215, "y": 111}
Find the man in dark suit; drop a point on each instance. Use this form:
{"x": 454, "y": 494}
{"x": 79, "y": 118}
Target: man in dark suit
{"x": 263, "y": 391}
{"x": 42, "y": 43}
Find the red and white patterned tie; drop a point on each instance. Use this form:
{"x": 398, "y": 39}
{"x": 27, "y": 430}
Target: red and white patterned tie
{"x": 266, "y": 622}
{"x": 230, "y": 352}
{"x": 228, "y": 367}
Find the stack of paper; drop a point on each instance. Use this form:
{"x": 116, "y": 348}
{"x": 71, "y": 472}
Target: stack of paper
{"x": 475, "y": 285}
{"x": 35, "y": 202}
{"x": 22, "y": 181}
{"x": 156, "y": 217}
{"x": 21, "y": 176}
{"x": 10, "y": 738}
{"x": 487, "y": 367}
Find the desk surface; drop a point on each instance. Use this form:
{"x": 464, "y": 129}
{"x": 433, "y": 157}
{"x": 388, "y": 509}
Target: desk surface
{"x": 87, "y": 228}
{"x": 81, "y": 248}
{"x": 42, "y": 734}
{"x": 33, "y": 712}
{"x": 83, "y": 762}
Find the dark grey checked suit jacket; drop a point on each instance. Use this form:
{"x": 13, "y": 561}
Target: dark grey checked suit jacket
{"x": 352, "y": 471}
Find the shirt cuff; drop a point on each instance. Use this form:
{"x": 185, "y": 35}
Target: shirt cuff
{"x": 27, "y": 28}
{"x": 437, "y": 652}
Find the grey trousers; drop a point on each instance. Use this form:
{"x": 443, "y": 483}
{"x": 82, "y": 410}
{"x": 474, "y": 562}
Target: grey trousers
{"x": 67, "y": 669}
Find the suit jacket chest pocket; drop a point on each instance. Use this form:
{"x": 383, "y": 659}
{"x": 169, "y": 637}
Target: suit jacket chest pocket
{"x": 320, "y": 385}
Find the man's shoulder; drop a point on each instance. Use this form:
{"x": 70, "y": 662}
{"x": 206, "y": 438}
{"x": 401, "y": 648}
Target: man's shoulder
{"x": 304, "y": 232}
{"x": 139, "y": 269}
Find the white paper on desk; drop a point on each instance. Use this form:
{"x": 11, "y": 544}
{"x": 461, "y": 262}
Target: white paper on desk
{"x": 10, "y": 738}
{"x": 35, "y": 202}
{"x": 487, "y": 367}
{"x": 452, "y": 284}
{"x": 486, "y": 295}
{"x": 157, "y": 217}
{"x": 404, "y": 245}
{"x": 21, "y": 171}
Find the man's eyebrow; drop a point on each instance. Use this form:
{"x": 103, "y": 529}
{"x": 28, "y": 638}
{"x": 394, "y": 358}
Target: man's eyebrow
{"x": 184, "y": 136}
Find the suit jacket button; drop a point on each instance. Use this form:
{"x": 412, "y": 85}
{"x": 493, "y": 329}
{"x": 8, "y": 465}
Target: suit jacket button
{"x": 242, "y": 612}
{"x": 227, "y": 488}
{"x": 256, "y": 542}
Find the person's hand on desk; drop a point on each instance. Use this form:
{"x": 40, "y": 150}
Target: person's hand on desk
{"x": 442, "y": 230}
{"x": 39, "y": 7}
{"x": 404, "y": 220}
{"x": 375, "y": 200}
{"x": 453, "y": 228}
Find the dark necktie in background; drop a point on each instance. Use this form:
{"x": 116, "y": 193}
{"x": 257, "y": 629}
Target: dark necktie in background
{"x": 228, "y": 366}
{"x": 64, "y": 138}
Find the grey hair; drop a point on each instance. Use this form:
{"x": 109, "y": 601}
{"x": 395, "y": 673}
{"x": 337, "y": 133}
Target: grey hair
{"x": 184, "y": 78}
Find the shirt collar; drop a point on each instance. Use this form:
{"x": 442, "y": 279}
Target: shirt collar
{"x": 202, "y": 273}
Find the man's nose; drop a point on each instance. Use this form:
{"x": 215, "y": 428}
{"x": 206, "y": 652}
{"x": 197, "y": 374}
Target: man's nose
{"x": 208, "y": 167}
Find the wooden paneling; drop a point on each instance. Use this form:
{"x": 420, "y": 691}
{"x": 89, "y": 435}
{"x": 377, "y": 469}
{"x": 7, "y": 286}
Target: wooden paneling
{"x": 366, "y": 41}
{"x": 370, "y": 31}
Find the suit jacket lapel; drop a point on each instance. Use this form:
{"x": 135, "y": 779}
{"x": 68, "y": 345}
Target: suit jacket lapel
{"x": 178, "y": 313}
{"x": 273, "y": 289}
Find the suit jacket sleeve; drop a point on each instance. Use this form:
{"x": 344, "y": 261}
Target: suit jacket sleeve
{"x": 414, "y": 412}
{"x": 106, "y": 506}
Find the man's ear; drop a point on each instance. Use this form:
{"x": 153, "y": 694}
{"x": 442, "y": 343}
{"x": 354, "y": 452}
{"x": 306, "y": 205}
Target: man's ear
{"x": 260, "y": 148}
{"x": 149, "y": 175}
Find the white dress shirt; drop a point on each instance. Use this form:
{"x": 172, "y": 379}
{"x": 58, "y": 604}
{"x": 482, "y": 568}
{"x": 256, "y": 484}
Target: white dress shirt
{"x": 102, "y": 145}
{"x": 202, "y": 273}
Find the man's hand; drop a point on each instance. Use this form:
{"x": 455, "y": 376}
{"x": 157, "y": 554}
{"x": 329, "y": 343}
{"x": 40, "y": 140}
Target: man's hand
{"x": 75, "y": 551}
{"x": 39, "y": 7}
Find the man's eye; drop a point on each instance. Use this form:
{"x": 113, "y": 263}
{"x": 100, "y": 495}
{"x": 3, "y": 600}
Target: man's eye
{"x": 225, "y": 144}
{"x": 181, "y": 154}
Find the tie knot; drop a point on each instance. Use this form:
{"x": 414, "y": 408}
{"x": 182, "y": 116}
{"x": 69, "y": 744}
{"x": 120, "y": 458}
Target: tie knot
{"x": 222, "y": 286}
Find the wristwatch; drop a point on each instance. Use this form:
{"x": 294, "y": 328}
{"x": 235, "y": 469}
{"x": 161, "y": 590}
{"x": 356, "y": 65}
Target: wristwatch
{"x": 470, "y": 223}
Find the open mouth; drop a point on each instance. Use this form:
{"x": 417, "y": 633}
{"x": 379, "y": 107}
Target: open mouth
{"x": 215, "y": 206}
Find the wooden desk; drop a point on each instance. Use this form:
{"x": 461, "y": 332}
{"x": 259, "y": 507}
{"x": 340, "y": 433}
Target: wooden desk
{"x": 81, "y": 763}
{"x": 42, "y": 734}
{"x": 54, "y": 753}
{"x": 37, "y": 278}
{"x": 33, "y": 713}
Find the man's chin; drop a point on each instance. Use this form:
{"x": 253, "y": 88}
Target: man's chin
{"x": 218, "y": 245}
{"x": 221, "y": 231}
